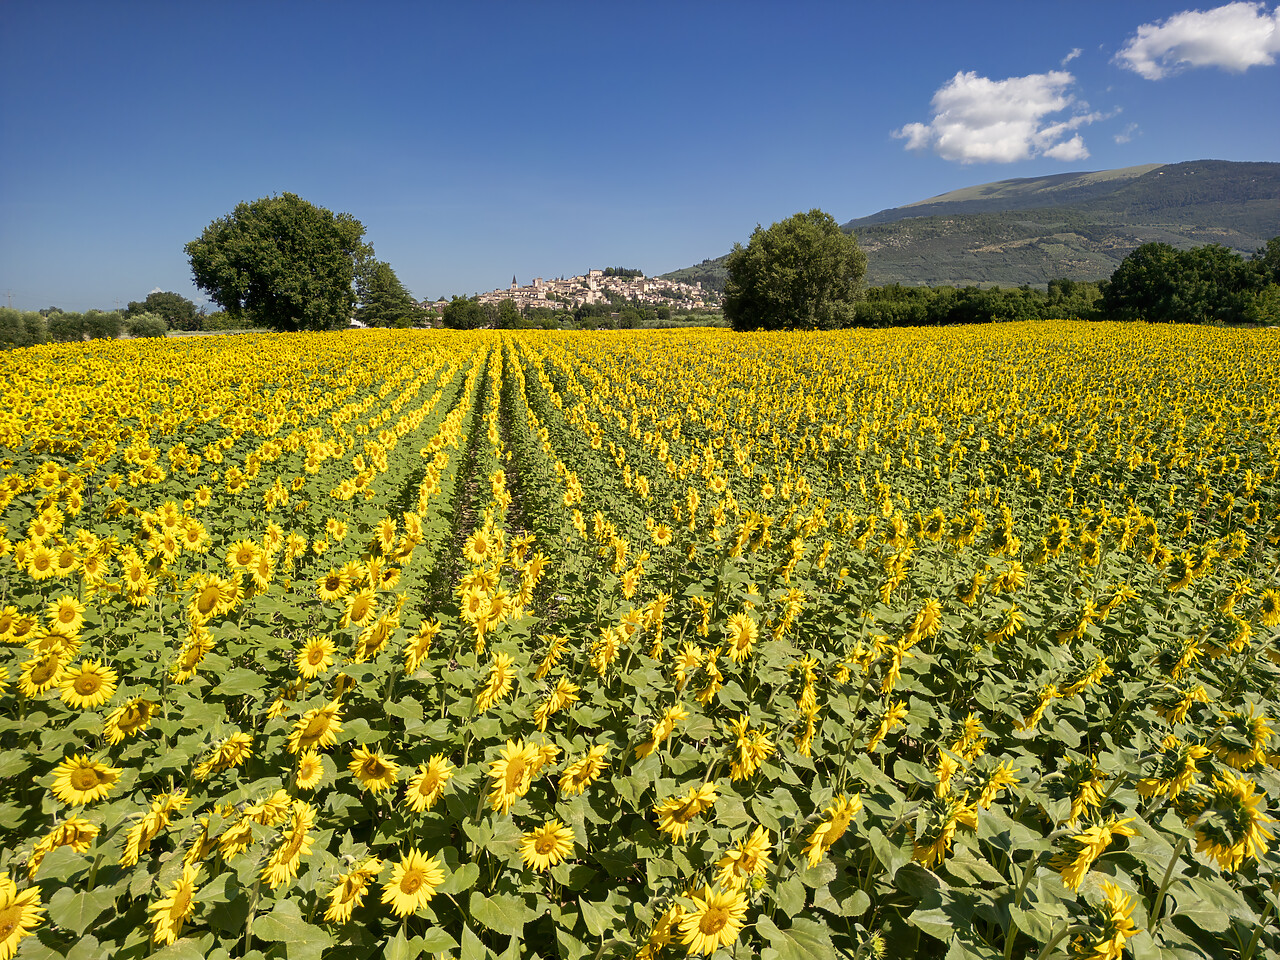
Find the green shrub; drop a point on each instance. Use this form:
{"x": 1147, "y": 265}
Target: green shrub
{"x": 101, "y": 325}
{"x": 148, "y": 325}
{"x": 21, "y": 329}
{"x": 66, "y": 327}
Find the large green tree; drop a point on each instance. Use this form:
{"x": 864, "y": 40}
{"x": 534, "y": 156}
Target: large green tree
{"x": 177, "y": 311}
{"x": 281, "y": 263}
{"x": 384, "y": 302}
{"x": 803, "y": 273}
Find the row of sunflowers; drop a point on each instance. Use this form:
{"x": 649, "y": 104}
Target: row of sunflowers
{"x": 949, "y": 643}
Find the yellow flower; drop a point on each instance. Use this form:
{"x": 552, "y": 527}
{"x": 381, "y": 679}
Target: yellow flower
{"x": 80, "y": 781}
{"x": 128, "y": 720}
{"x": 310, "y": 770}
{"x": 1231, "y": 827}
{"x": 1079, "y": 852}
{"x": 74, "y": 832}
{"x": 232, "y": 752}
{"x": 413, "y": 882}
{"x": 545, "y": 846}
{"x": 317, "y": 728}
{"x": 350, "y": 890}
{"x": 315, "y": 658}
{"x": 747, "y": 859}
{"x": 675, "y": 813}
{"x": 715, "y": 920}
{"x": 742, "y": 633}
{"x": 836, "y": 818}
{"x": 295, "y": 843}
{"x": 19, "y": 914}
{"x": 169, "y": 912}
{"x": 582, "y": 772}
{"x": 512, "y": 774}
{"x": 372, "y": 769}
{"x": 943, "y": 816}
{"x": 895, "y": 715}
{"x": 427, "y": 786}
{"x": 1114, "y": 914}
{"x": 498, "y": 685}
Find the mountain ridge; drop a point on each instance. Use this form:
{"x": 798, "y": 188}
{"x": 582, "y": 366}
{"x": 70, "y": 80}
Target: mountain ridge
{"x": 1078, "y": 225}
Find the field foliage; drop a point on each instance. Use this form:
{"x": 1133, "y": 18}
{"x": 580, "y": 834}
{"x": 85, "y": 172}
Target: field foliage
{"x": 953, "y": 642}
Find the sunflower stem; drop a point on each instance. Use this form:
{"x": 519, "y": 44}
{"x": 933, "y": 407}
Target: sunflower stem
{"x": 1156, "y": 904}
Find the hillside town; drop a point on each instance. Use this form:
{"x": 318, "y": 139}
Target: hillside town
{"x": 596, "y": 286}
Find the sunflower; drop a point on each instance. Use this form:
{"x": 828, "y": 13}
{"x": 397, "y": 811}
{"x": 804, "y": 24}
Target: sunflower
{"x": 360, "y": 608}
{"x": 943, "y": 816}
{"x": 295, "y": 843}
{"x": 747, "y": 859}
{"x": 372, "y": 769}
{"x": 427, "y": 785}
{"x": 499, "y": 683}
{"x": 742, "y": 633}
{"x": 19, "y": 914}
{"x": 1231, "y": 827}
{"x": 242, "y": 555}
{"x": 512, "y": 774}
{"x": 582, "y": 772}
{"x": 66, "y": 615}
{"x": 1079, "y": 851}
{"x": 169, "y": 912}
{"x": 675, "y": 813}
{"x": 127, "y": 720}
{"x": 350, "y": 890}
{"x": 419, "y": 645}
{"x": 1269, "y": 608}
{"x": 232, "y": 752}
{"x": 478, "y": 548}
{"x": 79, "y": 780}
{"x": 413, "y": 882}
{"x": 715, "y": 920}
{"x": 41, "y": 673}
{"x": 87, "y": 686}
{"x": 317, "y": 728}
{"x": 1113, "y": 916}
{"x": 545, "y": 846}
{"x": 895, "y": 715}
{"x": 835, "y": 822}
{"x": 74, "y": 832}
{"x": 310, "y": 770}
{"x": 316, "y": 657}
{"x": 334, "y": 585}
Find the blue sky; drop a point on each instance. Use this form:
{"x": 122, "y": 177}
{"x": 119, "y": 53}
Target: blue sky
{"x": 480, "y": 140}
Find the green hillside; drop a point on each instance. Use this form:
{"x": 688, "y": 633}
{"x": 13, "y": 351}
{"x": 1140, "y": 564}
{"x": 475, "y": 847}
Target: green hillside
{"x": 1078, "y": 225}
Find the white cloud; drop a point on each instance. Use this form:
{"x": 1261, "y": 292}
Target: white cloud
{"x": 1128, "y": 133}
{"x": 156, "y": 290}
{"x": 979, "y": 120}
{"x": 1234, "y": 37}
{"x": 1075, "y": 52}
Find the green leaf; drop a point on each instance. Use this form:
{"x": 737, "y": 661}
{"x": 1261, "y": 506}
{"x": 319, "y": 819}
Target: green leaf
{"x": 501, "y": 913}
{"x": 238, "y": 682}
{"x": 603, "y": 916}
{"x": 460, "y": 880}
{"x": 790, "y": 896}
{"x": 804, "y": 940}
{"x": 77, "y": 911}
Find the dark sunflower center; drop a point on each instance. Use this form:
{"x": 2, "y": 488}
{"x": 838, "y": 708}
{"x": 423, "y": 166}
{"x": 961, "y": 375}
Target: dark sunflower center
{"x": 84, "y": 778}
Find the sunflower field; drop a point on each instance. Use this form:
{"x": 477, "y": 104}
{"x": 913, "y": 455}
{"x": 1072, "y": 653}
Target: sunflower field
{"x": 915, "y": 643}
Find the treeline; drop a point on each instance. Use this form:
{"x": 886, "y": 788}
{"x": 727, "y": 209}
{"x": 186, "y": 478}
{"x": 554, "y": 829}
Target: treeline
{"x": 1156, "y": 282}
{"x": 468, "y": 313}
{"x": 153, "y": 316}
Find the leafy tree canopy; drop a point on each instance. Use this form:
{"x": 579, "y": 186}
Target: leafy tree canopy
{"x": 384, "y": 302}
{"x": 802, "y": 273}
{"x": 177, "y": 311}
{"x": 281, "y": 261}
